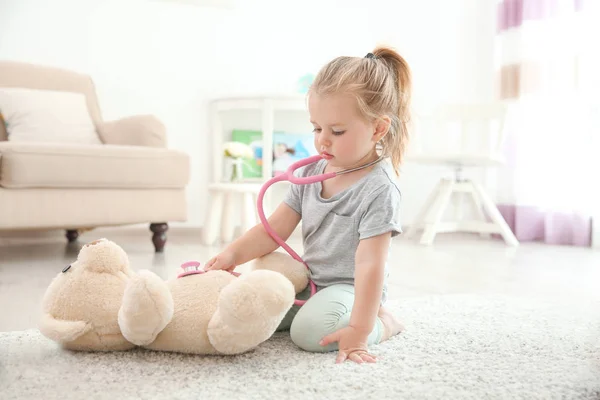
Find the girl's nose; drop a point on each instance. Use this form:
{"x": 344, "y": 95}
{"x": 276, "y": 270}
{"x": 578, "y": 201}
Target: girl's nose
{"x": 324, "y": 140}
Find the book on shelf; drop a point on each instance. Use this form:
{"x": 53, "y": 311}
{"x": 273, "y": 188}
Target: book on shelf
{"x": 251, "y": 168}
{"x": 287, "y": 149}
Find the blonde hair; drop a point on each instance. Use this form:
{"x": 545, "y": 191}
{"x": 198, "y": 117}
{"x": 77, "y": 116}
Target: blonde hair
{"x": 381, "y": 83}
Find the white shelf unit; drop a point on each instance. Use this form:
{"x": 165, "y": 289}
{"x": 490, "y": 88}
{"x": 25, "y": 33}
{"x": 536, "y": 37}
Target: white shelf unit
{"x": 221, "y": 207}
{"x": 267, "y": 106}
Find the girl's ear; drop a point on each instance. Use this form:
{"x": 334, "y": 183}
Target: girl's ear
{"x": 382, "y": 126}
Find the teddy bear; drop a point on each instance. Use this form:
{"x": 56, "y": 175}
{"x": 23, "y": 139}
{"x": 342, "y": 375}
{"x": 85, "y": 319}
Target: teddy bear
{"x": 98, "y": 303}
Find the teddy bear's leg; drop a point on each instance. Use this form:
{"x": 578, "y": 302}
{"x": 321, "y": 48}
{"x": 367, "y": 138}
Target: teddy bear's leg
{"x": 249, "y": 310}
{"x": 146, "y": 309}
{"x": 294, "y": 270}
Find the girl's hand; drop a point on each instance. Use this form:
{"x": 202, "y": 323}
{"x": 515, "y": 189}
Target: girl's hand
{"x": 352, "y": 345}
{"x": 224, "y": 261}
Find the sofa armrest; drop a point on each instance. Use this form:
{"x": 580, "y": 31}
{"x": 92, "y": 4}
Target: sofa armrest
{"x": 137, "y": 130}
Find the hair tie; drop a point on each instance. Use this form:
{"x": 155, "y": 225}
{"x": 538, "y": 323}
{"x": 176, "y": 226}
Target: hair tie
{"x": 372, "y": 56}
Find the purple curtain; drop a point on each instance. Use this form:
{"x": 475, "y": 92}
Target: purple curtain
{"x": 545, "y": 70}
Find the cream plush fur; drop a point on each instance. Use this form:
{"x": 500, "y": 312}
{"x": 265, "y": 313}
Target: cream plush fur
{"x": 100, "y": 304}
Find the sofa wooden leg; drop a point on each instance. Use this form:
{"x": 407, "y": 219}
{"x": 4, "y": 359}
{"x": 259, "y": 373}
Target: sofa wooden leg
{"x": 72, "y": 235}
{"x": 159, "y": 238}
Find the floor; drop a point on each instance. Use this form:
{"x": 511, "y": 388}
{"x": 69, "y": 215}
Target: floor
{"x": 454, "y": 264}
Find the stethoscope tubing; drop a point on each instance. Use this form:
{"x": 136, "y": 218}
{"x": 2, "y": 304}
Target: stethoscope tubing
{"x": 288, "y": 175}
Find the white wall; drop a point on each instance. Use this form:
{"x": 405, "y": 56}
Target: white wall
{"x": 170, "y": 59}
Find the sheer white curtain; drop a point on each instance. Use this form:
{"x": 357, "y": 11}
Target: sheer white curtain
{"x": 547, "y": 63}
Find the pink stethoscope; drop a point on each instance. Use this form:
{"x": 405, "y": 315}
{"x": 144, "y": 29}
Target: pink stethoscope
{"x": 191, "y": 267}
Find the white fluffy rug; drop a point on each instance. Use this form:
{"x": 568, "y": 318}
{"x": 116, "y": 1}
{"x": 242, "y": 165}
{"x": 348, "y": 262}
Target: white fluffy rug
{"x": 455, "y": 347}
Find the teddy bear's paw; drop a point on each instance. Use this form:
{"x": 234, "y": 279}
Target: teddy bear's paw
{"x": 249, "y": 311}
{"x": 259, "y": 294}
{"x": 277, "y": 261}
{"x": 147, "y": 308}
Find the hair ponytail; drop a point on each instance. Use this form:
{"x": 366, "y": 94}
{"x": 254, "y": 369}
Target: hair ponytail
{"x": 396, "y": 141}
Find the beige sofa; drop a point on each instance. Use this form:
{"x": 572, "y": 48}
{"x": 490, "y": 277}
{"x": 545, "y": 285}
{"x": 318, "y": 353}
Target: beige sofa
{"x": 130, "y": 178}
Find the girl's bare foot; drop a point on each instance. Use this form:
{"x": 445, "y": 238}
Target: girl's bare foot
{"x": 391, "y": 324}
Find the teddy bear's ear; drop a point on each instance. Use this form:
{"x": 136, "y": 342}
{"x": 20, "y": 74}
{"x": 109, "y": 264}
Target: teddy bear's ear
{"x": 103, "y": 256}
{"x": 60, "y": 330}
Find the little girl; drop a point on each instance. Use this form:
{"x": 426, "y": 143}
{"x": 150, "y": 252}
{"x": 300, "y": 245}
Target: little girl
{"x": 359, "y": 110}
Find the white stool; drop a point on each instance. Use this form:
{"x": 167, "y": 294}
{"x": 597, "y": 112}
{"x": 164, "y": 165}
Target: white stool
{"x": 430, "y": 215}
{"x": 219, "y": 216}
{"x": 482, "y": 127}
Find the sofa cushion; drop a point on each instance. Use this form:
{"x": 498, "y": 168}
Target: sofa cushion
{"x": 33, "y": 115}
{"x": 26, "y": 75}
{"x": 28, "y": 165}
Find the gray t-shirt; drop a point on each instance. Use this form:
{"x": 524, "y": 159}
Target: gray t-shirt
{"x": 332, "y": 228}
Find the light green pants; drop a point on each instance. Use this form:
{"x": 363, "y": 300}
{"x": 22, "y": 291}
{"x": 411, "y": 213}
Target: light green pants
{"x": 324, "y": 313}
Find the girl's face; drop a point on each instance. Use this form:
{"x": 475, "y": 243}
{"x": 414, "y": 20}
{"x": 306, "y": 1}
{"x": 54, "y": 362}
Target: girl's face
{"x": 342, "y": 135}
